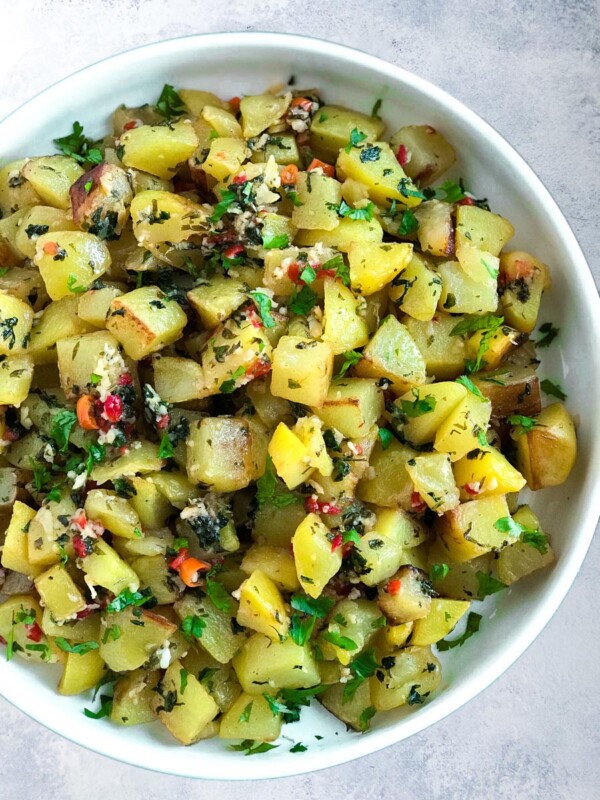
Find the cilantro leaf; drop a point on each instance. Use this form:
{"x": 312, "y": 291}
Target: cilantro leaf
{"x": 470, "y": 386}
{"x": 385, "y": 437}
{"x": 523, "y": 422}
{"x": 193, "y": 625}
{"x": 218, "y": 594}
{"x": 79, "y": 649}
{"x": 169, "y": 103}
{"x": 77, "y": 146}
{"x": 165, "y": 448}
{"x": 535, "y": 539}
{"x": 245, "y": 715}
{"x": 376, "y": 108}
{"x": 342, "y": 270}
{"x": 508, "y": 525}
{"x": 62, "y": 425}
{"x": 488, "y": 584}
{"x": 473, "y": 623}
{"x": 485, "y": 322}
{"x": 407, "y": 189}
{"x": 356, "y": 137}
{"x": 549, "y": 334}
{"x": 263, "y": 303}
{"x": 553, "y": 389}
{"x": 276, "y": 242}
{"x": 344, "y": 210}
{"x": 351, "y": 358}
{"x": 228, "y": 386}
{"x": 361, "y": 667}
{"x": 271, "y": 491}
{"x": 453, "y": 191}
{"x": 228, "y": 198}
{"x": 418, "y": 406}
{"x": 106, "y": 703}
{"x": 303, "y": 301}
{"x": 317, "y": 607}
{"x": 298, "y": 748}
{"x": 128, "y": 598}
{"x": 438, "y": 572}
{"x": 72, "y": 285}
{"x": 409, "y": 224}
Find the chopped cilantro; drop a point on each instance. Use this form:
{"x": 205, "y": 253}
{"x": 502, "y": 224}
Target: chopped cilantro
{"x": 385, "y": 437}
{"x": 549, "y": 334}
{"x": 303, "y": 301}
{"x": 473, "y": 623}
{"x": 523, "y": 422}
{"x": 78, "y": 649}
{"x": 62, "y": 425}
{"x": 488, "y": 584}
{"x": 438, "y": 572}
{"x": 165, "y": 448}
{"x": 271, "y": 491}
{"x": 470, "y": 386}
{"x": 276, "y": 242}
{"x": 128, "y": 598}
{"x": 351, "y": 358}
{"x": 263, "y": 303}
{"x": 356, "y": 137}
{"x": 77, "y": 146}
{"x": 193, "y": 625}
{"x": 553, "y": 389}
{"x": 418, "y": 406}
{"x": 169, "y": 103}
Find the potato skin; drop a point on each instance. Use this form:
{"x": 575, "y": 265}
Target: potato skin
{"x": 100, "y": 200}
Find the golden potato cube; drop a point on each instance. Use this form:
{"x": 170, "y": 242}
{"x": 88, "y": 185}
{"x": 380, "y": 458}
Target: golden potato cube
{"x": 356, "y": 620}
{"x": 393, "y": 354}
{"x": 464, "y": 428}
{"x": 250, "y": 717}
{"x": 405, "y": 596}
{"x": 373, "y": 265}
{"x": 416, "y": 289}
{"x": 16, "y": 614}
{"x": 145, "y": 320}
{"x": 388, "y": 483}
{"x": 486, "y": 471}
{"x": 428, "y": 154}
{"x": 52, "y": 177}
{"x": 219, "y": 453}
{"x": 291, "y": 457}
{"x": 221, "y": 120}
{"x": 461, "y": 294}
{"x": 497, "y": 345}
{"x": 444, "y": 355}
{"x": 436, "y": 228}
{"x": 470, "y": 530}
{"x": 352, "y": 406}
{"x": 158, "y": 149}
{"x": 217, "y": 300}
{"x": 482, "y": 229}
{"x": 193, "y": 707}
{"x": 316, "y": 196}
{"x": 159, "y": 216}
{"x": 262, "y": 607}
{"x": 479, "y": 265}
{"x": 136, "y": 643}
{"x": 442, "y": 618}
{"x": 525, "y": 278}
{"x": 80, "y": 357}
{"x": 316, "y": 563}
{"x": 69, "y": 261}
{"x": 15, "y": 190}
{"x": 134, "y": 693}
{"x": 412, "y": 669}
{"x": 262, "y": 665}
{"x": 16, "y": 318}
{"x": 310, "y": 432}
{"x": 36, "y": 222}
{"x": 81, "y": 672}
{"x": 16, "y": 373}
{"x": 94, "y": 305}
{"x": 275, "y": 562}
{"x": 431, "y": 474}
{"x": 384, "y": 177}
{"x": 225, "y": 157}
{"x": 260, "y": 111}
{"x": 302, "y": 370}
{"x": 15, "y": 552}
{"x": 332, "y": 126}
{"x": 178, "y": 380}
{"x": 59, "y": 592}
{"x": 114, "y": 513}
{"x": 345, "y": 329}
{"x": 104, "y": 567}
{"x": 196, "y": 99}
{"x": 546, "y": 453}
{"x": 440, "y": 398}
{"x": 344, "y": 235}
{"x": 58, "y": 321}
{"x": 523, "y": 557}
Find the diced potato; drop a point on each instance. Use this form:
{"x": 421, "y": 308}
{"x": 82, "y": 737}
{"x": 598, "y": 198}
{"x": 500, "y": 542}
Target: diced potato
{"x": 134, "y": 693}
{"x": 428, "y": 154}
{"x": 174, "y": 486}
{"x": 464, "y": 428}
{"x": 263, "y": 665}
{"x": 349, "y": 710}
{"x": 219, "y": 453}
{"x": 79, "y": 357}
{"x": 479, "y": 265}
{"x": 225, "y": 157}
{"x": 151, "y": 506}
{"x": 469, "y": 530}
{"x": 436, "y": 229}
{"x": 525, "y": 278}
{"x": 250, "y": 717}
{"x": 260, "y": 111}
{"x": 406, "y": 596}
{"x": 94, "y": 305}
{"x": 373, "y": 265}
{"x": 184, "y": 708}
{"x": 388, "y": 483}
{"x": 104, "y": 567}
{"x": 15, "y": 553}
{"x": 356, "y": 620}
{"x": 546, "y": 453}
{"x": 158, "y": 149}
{"x": 444, "y": 355}
{"x": 145, "y": 321}
{"x": 342, "y": 237}
{"x": 460, "y": 580}
{"x": 58, "y": 321}
{"x": 482, "y": 229}
{"x": 521, "y": 558}
{"x": 431, "y": 474}
{"x": 15, "y": 614}
{"x": 275, "y": 562}
{"x": 165, "y": 217}
{"x": 38, "y": 221}
{"x": 416, "y": 289}
{"x": 442, "y": 618}
{"x": 52, "y": 177}
{"x": 290, "y": 456}
{"x": 315, "y": 195}
{"x": 16, "y": 318}
{"x": 16, "y": 192}
{"x": 178, "y": 380}
{"x": 461, "y": 294}
{"x": 384, "y": 177}
{"x": 345, "y": 329}
{"x": 125, "y": 644}
{"x": 399, "y": 526}
{"x": 393, "y": 354}
{"x": 217, "y": 300}
{"x": 497, "y": 346}
{"x": 433, "y": 402}
{"x": 276, "y": 526}
{"x": 332, "y": 126}
{"x": 316, "y": 563}
{"x": 59, "y": 593}
{"x": 75, "y": 630}
{"x": 302, "y": 370}
{"x": 197, "y": 99}
{"x": 100, "y": 200}
{"x": 16, "y": 373}
{"x": 310, "y": 432}
{"x": 262, "y": 607}
{"x": 140, "y": 460}
{"x": 392, "y": 637}
{"x": 409, "y": 676}
{"x": 81, "y": 672}
{"x": 283, "y": 148}
{"x": 352, "y": 406}
{"x": 50, "y": 523}
{"x": 115, "y": 513}
{"x": 221, "y": 120}
{"x": 219, "y": 638}
{"x": 70, "y": 261}
{"x": 486, "y": 471}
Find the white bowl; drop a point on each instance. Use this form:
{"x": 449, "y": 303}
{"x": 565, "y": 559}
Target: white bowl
{"x": 241, "y": 63}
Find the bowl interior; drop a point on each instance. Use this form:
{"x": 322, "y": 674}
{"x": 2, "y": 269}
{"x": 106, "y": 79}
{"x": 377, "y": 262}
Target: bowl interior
{"x": 236, "y": 64}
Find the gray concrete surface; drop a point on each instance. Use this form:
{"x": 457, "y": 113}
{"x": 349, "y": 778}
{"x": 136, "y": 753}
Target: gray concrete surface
{"x": 532, "y": 70}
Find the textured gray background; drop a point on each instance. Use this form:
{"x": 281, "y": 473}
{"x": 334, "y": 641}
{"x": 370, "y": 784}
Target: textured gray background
{"x": 533, "y": 70}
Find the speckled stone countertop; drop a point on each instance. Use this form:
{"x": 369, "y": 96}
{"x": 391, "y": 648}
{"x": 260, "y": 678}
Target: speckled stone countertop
{"x": 533, "y": 71}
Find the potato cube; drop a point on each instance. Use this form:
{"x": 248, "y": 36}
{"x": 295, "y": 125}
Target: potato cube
{"x": 58, "y": 321}
{"x": 352, "y": 406}
{"x": 221, "y": 120}
{"x": 70, "y": 261}
{"x": 464, "y": 428}
{"x": 316, "y": 194}
{"x": 393, "y": 354}
{"x": 356, "y": 620}
{"x": 145, "y": 320}
{"x": 525, "y": 278}
{"x": 80, "y": 357}
{"x": 178, "y": 380}
{"x": 275, "y": 562}
{"x": 81, "y": 672}
{"x": 469, "y": 530}
{"x": 388, "y": 483}
{"x": 546, "y": 453}
{"x": 331, "y": 127}
{"x": 196, "y": 99}
{"x": 384, "y": 177}
{"x": 184, "y": 708}
{"x": 497, "y": 346}
{"x": 59, "y": 592}
{"x": 310, "y": 432}
{"x": 135, "y": 643}
{"x": 104, "y": 567}
{"x": 290, "y": 456}
{"x": 479, "y": 265}
{"x": 406, "y": 596}
{"x": 373, "y": 265}
{"x": 94, "y": 305}
{"x": 350, "y": 711}
{"x": 444, "y": 355}
{"x": 302, "y": 370}
{"x": 432, "y": 404}
{"x": 521, "y": 558}
{"x": 482, "y": 229}
{"x": 36, "y": 222}
{"x": 134, "y": 693}
{"x": 158, "y": 149}
{"x": 219, "y": 637}
{"x": 432, "y": 477}
{"x": 165, "y": 217}
{"x": 114, "y": 513}
{"x": 486, "y": 471}
{"x": 345, "y": 329}
{"x": 16, "y": 373}
{"x": 260, "y": 111}
{"x": 262, "y": 607}
{"x": 16, "y": 318}
{"x": 416, "y": 289}
{"x": 50, "y": 524}
{"x": 442, "y": 619}
{"x": 15, "y": 190}
{"x": 219, "y": 453}
{"x": 15, "y": 552}
{"x": 16, "y": 614}
{"x": 250, "y": 717}
{"x": 461, "y": 294}
{"x": 428, "y": 154}
{"x": 263, "y": 665}
{"x": 436, "y": 228}
{"x": 52, "y": 177}
{"x": 217, "y": 300}
{"x": 225, "y": 157}
{"x": 344, "y": 235}
{"x": 413, "y": 672}
{"x": 316, "y": 563}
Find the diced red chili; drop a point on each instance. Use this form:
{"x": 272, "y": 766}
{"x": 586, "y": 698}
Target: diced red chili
{"x": 336, "y": 542}
{"x": 417, "y": 503}
{"x": 80, "y": 547}
{"x": 162, "y": 422}
{"x": 239, "y": 179}
{"x": 466, "y": 201}
{"x": 402, "y": 155}
{"x": 258, "y": 369}
{"x": 34, "y": 632}
{"x": 113, "y": 408}
{"x": 50, "y": 248}
{"x": 181, "y": 556}
{"x": 326, "y": 273}
{"x": 253, "y": 318}
{"x": 314, "y": 506}
{"x": 473, "y": 488}
{"x": 234, "y": 250}
{"x": 294, "y": 271}
{"x": 125, "y": 379}
{"x": 394, "y": 586}
{"x": 132, "y": 123}
{"x": 234, "y": 102}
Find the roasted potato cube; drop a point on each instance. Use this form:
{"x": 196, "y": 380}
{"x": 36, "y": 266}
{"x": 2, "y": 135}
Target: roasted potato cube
{"x": 373, "y": 265}
{"x": 482, "y": 229}
{"x": 527, "y": 555}
{"x": 262, "y": 607}
{"x": 69, "y": 261}
{"x": 115, "y": 513}
{"x": 352, "y": 406}
{"x": 178, "y": 379}
{"x": 464, "y": 428}
{"x": 410, "y": 675}
{"x": 442, "y": 618}
{"x": 348, "y": 232}
{"x": 59, "y": 593}
{"x": 512, "y": 390}
{"x": 196, "y": 99}
{"x": 302, "y": 370}
{"x": 290, "y": 455}
{"x": 80, "y": 357}
{"x": 416, "y": 289}
{"x": 81, "y": 672}
{"x": 47, "y": 528}
{"x": 52, "y": 177}
{"x": 16, "y": 615}
{"x": 406, "y": 596}
{"x": 388, "y": 483}
{"x": 15, "y": 190}
{"x": 431, "y": 474}
{"x": 100, "y": 200}
{"x": 384, "y": 177}
{"x": 250, "y": 717}
{"x": 316, "y": 563}
{"x": 221, "y": 120}
{"x": 184, "y": 708}
{"x": 263, "y": 665}
{"x": 393, "y": 354}
{"x": 219, "y": 453}
{"x": 140, "y": 460}
{"x": 426, "y": 407}
{"x": 316, "y": 193}
{"x": 260, "y": 111}
{"x": 275, "y": 562}
{"x": 470, "y": 530}
{"x": 104, "y": 567}
{"x": 57, "y": 321}
{"x": 332, "y": 126}
{"x": 15, "y": 552}
{"x": 136, "y": 643}
{"x": 134, "y": 693}
{"x": 444, "y": 355}
{"x": 225, "y": 157}
{"x": 310, "y": 432}
{"x": 158, "y": 149}
{"x": 216, "y": 300}
{"x": 524, "y": 279}
{"x": 462, "y": 294}
{"x": 356, "y": 620}
{"x": 486, "y": 471}
{"x": 145, "y": 320}
{"x": 345, "y": 329}
{"x": 160, "y": 216}
{"x": 426, "y": 152}
{"x": 219, "y": 637}
{"x": 16, "y": 318}
{"x": 16, "y": 373}
{"x": 436, "y": 229}
{"x": 38, "y": 221}
{"x": 94, "y": 305}
{"x": 546, "y": 453}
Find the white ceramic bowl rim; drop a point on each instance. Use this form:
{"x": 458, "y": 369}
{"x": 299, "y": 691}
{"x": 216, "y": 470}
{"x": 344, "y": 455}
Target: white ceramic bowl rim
{"x": 570, "y": 562}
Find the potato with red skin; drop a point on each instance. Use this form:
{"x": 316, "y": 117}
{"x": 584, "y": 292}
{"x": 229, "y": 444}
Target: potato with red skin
{"x": 100, "y": 200}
